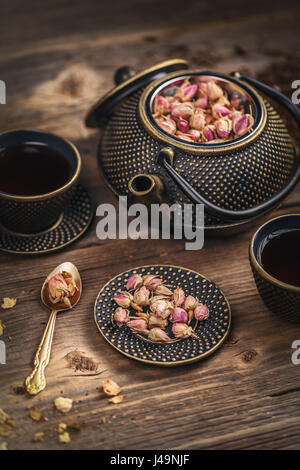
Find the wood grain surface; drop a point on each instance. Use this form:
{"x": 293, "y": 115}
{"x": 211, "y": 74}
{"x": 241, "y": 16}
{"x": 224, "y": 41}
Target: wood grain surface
{"x": 57, "y": 59}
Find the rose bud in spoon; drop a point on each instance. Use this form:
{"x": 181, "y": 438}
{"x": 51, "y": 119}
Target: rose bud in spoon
{"x": 60, "y": 291}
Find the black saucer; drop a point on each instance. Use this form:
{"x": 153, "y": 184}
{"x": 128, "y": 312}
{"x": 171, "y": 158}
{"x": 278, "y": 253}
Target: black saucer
{"x": 211, "y": 333}
{"x": 72, "y": 223}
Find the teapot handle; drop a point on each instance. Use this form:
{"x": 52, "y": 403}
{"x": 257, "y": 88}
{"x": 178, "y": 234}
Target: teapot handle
{"x": 273, "y": 93}
{"x": 166, "y": 157}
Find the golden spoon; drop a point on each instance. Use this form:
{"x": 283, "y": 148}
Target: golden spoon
{"x": 36, "y": 381}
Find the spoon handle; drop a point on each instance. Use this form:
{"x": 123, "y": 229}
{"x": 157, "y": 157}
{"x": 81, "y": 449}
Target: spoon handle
{"x": 36, "y": 381}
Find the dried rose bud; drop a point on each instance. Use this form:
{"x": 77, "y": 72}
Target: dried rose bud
{"x": 163, "y": 290}
{"x": 160, "y": 306}
{"x": 139, "y": 325}
{"x": 178, "y": 315}
{"x": 175, "y": 102}
{"x": 203, "y": 89}
{"x": 141, "y": 296}
{"x": 209, "y": 119}
{"x": 195, "y": 135}
{"x": 171, "y": 99}
{"x": 182, "y": 330}
{"x": 154, "y": 321}
{"x": 201, "y": 312}
{"x": 235, "y": 115}
{"x": 241, "y": 125}
{"x": 151, "y": 281}
{"x": 177, "y": 82}
{"x": 183, "y": 126}
{"x": 236, "y": 101}
{"x": 183, "y": 136}
{"x": 61, "y": 286}
{"x": 189, "y": 305}
{"x": 157, "y": 334}
{"x": 197, "y": 120}
{"x": 187, "y": 91}
{"x": 123, "y": 299}
{"x": 209, "y": 132}
{"x": 70, "y": 283}
{"x": 223, "y": 101}
{"x": 220, "y": 110}
{"x": 202, "y": 102}
{"x": 111, "y": 388}
{"x": 169, "y": 91}
{"x": 223, "y": 127}
{"x": 134, "y": 282}
{"x": 161, "y": 105}
{"x": 121, "y": 316}
{"x": 182, "y": 110}
{"x": 166, "y": 124}
{"x": 190, "y": 302}
{"x": 214, "y": 91}
{"x": 57, "y": 285}
{"x": 178, "y": 297}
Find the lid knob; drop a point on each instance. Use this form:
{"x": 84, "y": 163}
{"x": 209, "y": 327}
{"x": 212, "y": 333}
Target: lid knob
{"x": 128, "y": 81}
{"x": 123, "y": 73}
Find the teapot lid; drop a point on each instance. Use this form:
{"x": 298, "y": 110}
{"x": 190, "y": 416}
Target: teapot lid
{"x": 102, "y": 109}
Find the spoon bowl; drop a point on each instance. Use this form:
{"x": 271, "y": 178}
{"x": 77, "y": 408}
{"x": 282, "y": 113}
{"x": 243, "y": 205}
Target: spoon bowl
{"x": 59, "y": 307}
{"x": 36, "y": 381}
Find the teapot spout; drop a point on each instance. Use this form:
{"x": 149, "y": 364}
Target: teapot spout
{"x": 147, "y": 189}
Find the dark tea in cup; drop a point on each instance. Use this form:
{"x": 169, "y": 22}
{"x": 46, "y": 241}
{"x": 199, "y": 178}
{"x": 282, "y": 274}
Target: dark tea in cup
{"x": 32, "y": 169}
{"x": 275, "y": 262}
{"x": 279, "y": 255}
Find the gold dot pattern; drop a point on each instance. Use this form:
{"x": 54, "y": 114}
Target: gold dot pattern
{"x": 284, "y": 303}
{"x": 20, "y": 216}
{"x": 236, "y": 181}
{"x": 73, "y": 223}
{"x": 211, "y": 332}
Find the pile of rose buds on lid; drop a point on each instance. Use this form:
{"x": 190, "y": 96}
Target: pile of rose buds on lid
{"x": 157, "y": 307}
{"x": 198, "y": 109}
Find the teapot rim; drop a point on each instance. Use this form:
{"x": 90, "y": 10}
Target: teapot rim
{"x": 155, "y": 131}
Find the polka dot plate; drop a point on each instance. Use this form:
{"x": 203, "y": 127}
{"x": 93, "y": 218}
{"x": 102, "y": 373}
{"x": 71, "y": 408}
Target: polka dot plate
{"x": 72, "y": 223}
{"x": 211, "y": 333}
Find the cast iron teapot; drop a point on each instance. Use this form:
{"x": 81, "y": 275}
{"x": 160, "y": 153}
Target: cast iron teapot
{"x": 237, "y": 180}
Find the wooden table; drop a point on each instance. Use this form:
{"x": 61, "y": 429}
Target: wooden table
{"x": 56, "y": 60}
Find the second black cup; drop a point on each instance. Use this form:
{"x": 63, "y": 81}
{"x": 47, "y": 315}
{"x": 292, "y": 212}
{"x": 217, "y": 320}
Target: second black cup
{"x": 275, "y": 262}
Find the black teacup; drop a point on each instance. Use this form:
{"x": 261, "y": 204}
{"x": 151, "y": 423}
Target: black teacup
{"x": 275, "y": 262}
{"x": 38, "y": 173}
